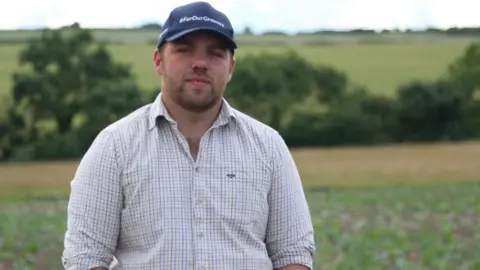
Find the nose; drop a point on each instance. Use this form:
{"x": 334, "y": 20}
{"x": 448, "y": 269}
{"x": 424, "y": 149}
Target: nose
{"x": 200, "y": 60}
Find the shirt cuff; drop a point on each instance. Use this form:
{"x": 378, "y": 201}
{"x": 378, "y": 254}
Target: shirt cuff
{"x": 83, "y": 264}
{"x": 295, "y": 259}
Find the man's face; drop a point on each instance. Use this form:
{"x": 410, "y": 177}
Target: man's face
{"x": 195, "y": 69}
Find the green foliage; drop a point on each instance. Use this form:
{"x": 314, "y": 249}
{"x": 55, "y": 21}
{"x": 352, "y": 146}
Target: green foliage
{"x": 274, "y": 81}
{"x": 269, "y": 85}
{"x": 380, "y": 67}
{"x": 399, "y": 227}
{"x": 68, "y": 77}
{"x": 314, "y": 105}
{"x": 404, "y": 227}
{"x": 72, "y": 88}
{"x": 31, "y": 235}
{"x": 106, "y": 103}
{"x": 431, "y": 112}
{"x": 340, "y": 123}
{"x": 465, "y": 70}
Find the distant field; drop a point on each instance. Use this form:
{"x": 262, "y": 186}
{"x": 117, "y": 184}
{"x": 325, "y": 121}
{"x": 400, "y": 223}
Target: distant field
{"x": 379, "y": 62}
{"x": 144, "y": 36}
{"x": 319, "y": 168}
{"x": 405, "y": 207}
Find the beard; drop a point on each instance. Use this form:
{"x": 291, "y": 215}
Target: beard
{"x": 195, "y": 99}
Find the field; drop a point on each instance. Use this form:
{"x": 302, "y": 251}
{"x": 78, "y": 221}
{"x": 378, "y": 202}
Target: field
{"x": 397, "y": 207}
{"x": 379, "y": 62}
{"x": 406, "y": 207}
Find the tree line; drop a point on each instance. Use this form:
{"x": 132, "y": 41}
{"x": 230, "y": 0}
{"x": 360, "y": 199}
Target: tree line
{"x": 451, "y": 31}
{"x": 73, "y": 88}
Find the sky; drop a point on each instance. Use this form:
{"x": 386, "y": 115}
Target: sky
{"x": 259, "y": 15}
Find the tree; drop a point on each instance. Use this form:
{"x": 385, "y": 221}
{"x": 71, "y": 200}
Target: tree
{"x": 63, "y": 73}
{"x": 267, "y": 84}
{"x": 465, "y": 70}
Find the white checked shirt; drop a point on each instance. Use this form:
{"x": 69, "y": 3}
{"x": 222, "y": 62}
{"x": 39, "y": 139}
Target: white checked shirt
{"x": 139, "y": 195}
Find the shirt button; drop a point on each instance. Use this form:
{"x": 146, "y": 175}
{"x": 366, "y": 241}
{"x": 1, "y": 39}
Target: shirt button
{"x": 203, "y": 268}
{"x": 197, "y": 169}
{"x": 198, "y": 201}
{"x": 200, "y": 234}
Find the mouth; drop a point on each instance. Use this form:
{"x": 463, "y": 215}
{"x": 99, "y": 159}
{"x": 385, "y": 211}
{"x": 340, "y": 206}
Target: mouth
{"x": 198, "y": 81}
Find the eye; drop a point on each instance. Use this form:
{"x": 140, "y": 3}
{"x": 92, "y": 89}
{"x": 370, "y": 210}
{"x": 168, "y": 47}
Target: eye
{"x": 218, "y": 52}
{"x": 181, "y": 49}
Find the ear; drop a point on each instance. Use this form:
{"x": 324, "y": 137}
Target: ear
{"x": 157, "y": 62}
{"x": 232, "y": 67}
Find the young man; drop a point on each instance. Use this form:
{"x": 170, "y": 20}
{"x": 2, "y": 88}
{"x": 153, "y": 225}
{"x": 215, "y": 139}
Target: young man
{"x": 188, "y": 182}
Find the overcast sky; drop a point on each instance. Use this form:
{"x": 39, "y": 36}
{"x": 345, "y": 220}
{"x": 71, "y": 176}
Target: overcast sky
{"x": 261, "y": 15}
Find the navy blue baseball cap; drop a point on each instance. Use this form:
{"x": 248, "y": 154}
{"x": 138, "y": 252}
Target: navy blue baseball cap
{"x": 196, "y": 16}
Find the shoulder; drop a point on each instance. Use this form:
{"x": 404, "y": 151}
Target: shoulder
{"x": 119, "y": 135}
{"x": 261, "y": 134}
{"x": 134, "y": 121}
{"x": 254, "y": 126}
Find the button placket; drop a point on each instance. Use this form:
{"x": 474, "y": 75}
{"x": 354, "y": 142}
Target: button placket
{"x": 199, "y": 196}
{"x": 200, "y": 214}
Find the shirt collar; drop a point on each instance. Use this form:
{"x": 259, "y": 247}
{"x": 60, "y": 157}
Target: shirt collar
{"x": 157, "y": 109}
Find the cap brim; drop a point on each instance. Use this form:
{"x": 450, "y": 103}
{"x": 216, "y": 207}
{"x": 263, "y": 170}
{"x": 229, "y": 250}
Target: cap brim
{"x": 214, "y": 30}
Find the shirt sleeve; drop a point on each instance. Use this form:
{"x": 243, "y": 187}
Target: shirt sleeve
{"x": 290, "y": 238}
{"x": 94, "y": 207}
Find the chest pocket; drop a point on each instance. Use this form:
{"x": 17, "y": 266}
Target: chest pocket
{"x": 240, "y": 194}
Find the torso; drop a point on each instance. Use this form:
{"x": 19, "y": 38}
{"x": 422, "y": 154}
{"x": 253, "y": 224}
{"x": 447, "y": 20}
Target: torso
{"x": 198, "y": 205}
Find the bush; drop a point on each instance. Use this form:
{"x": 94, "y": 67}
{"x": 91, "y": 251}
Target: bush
{"x": 429, "y": 112}
{"x": 356, "y": 119}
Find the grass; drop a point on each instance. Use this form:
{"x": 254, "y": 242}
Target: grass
{"x": 397, "y": 207}
{"x": 421, "y": 227}
{"x": 381, "y": 67}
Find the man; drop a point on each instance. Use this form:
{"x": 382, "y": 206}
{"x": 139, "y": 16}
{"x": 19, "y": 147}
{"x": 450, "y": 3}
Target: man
{"x": 188, "y": 182}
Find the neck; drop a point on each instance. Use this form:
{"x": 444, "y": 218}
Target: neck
{"x": 191, "y": 124}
